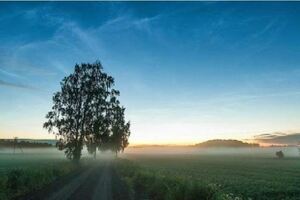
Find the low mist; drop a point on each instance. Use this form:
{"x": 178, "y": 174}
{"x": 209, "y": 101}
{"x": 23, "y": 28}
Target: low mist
{"x": 253, "y": 152}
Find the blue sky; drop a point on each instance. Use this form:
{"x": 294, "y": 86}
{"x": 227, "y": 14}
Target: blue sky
{"x": 187, "y": 72}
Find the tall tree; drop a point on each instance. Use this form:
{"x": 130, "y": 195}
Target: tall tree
{"x": 81, "y": 111}
{"x": 120, "y": 130}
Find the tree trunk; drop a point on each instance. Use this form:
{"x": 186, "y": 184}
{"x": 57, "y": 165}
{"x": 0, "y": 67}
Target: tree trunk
{"x": 77, "y": 153}
{"x": 76, "y": 157}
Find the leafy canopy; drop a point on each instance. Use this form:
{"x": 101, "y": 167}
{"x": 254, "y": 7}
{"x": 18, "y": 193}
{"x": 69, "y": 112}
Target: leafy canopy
{"x": 86, "y": 111}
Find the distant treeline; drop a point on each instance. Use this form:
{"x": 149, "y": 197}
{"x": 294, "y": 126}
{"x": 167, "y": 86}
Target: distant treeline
{"x": 23, "y": 144}
{"x": 226, "y": 143}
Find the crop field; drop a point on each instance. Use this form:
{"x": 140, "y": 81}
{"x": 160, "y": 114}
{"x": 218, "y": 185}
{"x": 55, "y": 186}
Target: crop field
{"x": 29, "y": 158}
{"x": 246, "y": 173}
{"x": 33, "y": 169}
{"x": 257, "y": 176}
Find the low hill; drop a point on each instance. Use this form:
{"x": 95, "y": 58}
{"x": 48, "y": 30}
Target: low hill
{"x": 226, "y": 143}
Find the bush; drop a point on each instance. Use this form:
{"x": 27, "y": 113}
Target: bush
{"x": 279, "y": 154}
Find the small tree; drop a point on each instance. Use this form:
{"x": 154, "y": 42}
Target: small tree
{"x": 279, "y": 154}
{"x": 120, "y": 130}
{"x": 81, "y": 111}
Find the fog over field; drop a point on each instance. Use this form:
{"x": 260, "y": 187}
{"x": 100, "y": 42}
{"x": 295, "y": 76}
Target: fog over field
{"x": 160, "y": 150}
{"x": 40, "y": 153}
{"x": 235, "y": 171}
{"x": 255, "y": 152}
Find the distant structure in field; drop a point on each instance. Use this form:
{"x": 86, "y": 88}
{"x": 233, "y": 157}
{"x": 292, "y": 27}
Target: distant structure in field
{"x": 17, "y": 145}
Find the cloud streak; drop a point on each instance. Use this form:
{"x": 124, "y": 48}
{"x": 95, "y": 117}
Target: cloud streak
{"x": 9, "y": 73}
{"x": 16, "y": 85}
{"x": 278, "y": 138}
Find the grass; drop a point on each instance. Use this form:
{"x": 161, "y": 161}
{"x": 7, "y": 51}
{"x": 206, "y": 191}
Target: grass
{"x": 147, "y": 184}
{"x": 243, "y": 176}
{"x": 173, "y": 176}
{"x": 23, "y": 173}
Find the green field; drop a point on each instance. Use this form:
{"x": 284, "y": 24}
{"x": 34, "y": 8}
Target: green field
{"x": 21, "y": 173}
{"x": 255, "y": 176}
{"x": 247, "y": 174}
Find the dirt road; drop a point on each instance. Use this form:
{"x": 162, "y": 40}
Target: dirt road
{"x": 99, "y": 181}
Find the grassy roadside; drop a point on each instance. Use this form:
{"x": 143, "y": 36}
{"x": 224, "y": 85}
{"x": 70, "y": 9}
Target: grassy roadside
{"x": 16, "y": 182}
{"x": 155, "y": 185}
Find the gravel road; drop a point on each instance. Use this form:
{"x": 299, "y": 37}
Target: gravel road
{"x": 99, "y": 181}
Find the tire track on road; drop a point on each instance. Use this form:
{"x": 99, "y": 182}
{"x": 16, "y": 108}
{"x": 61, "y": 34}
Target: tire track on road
{"x": 99, "y": 181}
{"x": 70, "y": 188}
{"x": 103, "y": 190}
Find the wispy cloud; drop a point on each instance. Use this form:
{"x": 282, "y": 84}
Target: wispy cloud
{"x": 127, "y": 22}
{"x": 11, "y": 74}
{"x": 73, "y": 40}
{"x": 278, "y": 138}
{"x": 16, "y": 85}
{"x": 268, "y": 27}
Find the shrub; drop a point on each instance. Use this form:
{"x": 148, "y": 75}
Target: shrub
{"x": 279, "y": 154}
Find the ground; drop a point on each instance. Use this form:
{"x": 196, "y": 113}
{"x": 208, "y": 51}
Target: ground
{"x": 97, "y": 181}
{"x": 247, "y": 176}
{"x": 253, "y": 173}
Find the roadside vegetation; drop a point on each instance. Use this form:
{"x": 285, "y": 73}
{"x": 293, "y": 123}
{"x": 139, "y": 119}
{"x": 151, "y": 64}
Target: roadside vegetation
{"x": 18, "y": 181}
{"x": 245, "y": 176}
{"x": 156, "y": 185}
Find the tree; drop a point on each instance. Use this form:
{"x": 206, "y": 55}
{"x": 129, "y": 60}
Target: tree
{"x": 120, "y": 130}
{"x": 81, "y": 111}
{"x": 279, "y": 154}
